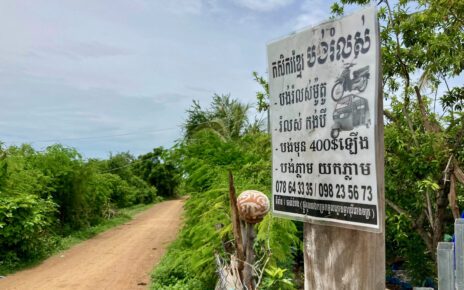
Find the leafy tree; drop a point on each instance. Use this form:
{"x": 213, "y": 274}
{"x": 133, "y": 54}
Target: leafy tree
{"x": 229, "y": 116}
{"x": 120, "y": 164}
{"x": 158, "y": 169}
{"x": 197, "y": 117}
{"x": 26, "y": 219}
{"x": 262, "y": 96}
{"x": 65, "y": 170}
{"x": 25, "y": 228}
{"x": 205, "y": 159}
{"x": 49, "y": 194}
{"x": 422, "y": 50}
{"x": 226, "y": 117}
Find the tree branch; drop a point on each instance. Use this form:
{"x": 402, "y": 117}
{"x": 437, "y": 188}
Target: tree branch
{"x": 447, "y": 170}
{"x": 417, "y": 225}
{"x": 389, "y": 115}
{"x": 429, "y": 208}
{"x": 236, "y": 224}
{"x": 457, "y": 172}
{"x": 452, "y": 198}
{"x": 424, "y": 115}
{"x": 398, "y": 209}
{"x": 404, "y": 72}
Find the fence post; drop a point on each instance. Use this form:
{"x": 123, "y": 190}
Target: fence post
{"x": 459, "y": 249}
{"x": 445, "y": 257}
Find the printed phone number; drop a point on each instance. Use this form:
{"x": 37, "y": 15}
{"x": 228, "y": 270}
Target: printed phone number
{"x": 340, "y": 191}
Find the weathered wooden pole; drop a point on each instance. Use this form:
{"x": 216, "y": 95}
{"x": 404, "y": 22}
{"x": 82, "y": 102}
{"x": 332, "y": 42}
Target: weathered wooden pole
{"x": 338, "y": 258}
{"x": 342, "y": 258}
{"x": 250, "y": 257}
{"x": 247, "y": 209}
{"x": 252, "y": 207}
{"x": 236, "y": 225}
{"x": 327, "y": 137}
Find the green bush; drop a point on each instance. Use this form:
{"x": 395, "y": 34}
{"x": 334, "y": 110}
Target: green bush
{"x": 45, "y": 196}
{"x": 205, "y": 159}
{"x": 25, "y": 228}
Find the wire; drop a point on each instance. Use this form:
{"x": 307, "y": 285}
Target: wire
{"x": 130, "y": 164}
{"x": 58, "y": 140}
{"x": 106, "y": 171}
{"x": 96, "y": 137}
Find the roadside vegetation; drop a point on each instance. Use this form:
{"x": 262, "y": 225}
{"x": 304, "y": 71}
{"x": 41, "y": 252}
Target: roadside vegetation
{"x": 52, "y": 196}
{"x": 422, "y": 59}
{"x": 422, "y": 46}
{"x": 219, "y": 138}
{"x": 52, "y": 199}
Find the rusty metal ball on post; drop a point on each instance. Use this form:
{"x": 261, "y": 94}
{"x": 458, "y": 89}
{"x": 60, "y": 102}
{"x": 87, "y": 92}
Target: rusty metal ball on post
{"x": 252, "y": 206}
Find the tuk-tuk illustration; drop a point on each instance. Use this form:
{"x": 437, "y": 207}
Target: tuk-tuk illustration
{"x": 350, "y": 112}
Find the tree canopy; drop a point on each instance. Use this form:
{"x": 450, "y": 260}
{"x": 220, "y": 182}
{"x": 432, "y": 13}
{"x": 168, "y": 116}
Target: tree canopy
{"x": 422, "y": 46}
{"x": 46, "y": 195}
{"x": 160, "y": 170}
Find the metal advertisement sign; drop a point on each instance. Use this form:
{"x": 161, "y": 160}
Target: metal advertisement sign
{"x": 323, "y": 84}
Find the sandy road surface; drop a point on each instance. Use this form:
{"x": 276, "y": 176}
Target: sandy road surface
{"x": 120, "y": 258}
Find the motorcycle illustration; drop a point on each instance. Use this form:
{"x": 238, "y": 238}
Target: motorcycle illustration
{"x": 345, "y": 83}
{"x": 350, "y": 112}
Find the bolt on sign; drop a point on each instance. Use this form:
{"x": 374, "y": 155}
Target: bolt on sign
{"x": 323, "y": 84}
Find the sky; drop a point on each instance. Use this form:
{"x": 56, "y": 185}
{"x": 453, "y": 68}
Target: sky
{"x": 118, "y": 75}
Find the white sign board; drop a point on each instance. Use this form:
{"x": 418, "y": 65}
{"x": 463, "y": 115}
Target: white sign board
{"x": 323, "y": 84}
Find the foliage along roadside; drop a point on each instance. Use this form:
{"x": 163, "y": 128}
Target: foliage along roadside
{"x": 422, "y": 57}
{"x": 49, "y": 198}
{"x": 224, "y": 140}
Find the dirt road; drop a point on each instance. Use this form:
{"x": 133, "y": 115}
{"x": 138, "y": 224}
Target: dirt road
{"x": 121, "y": 258}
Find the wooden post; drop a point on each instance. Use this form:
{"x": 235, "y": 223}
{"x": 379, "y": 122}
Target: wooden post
{"x": 340, "y": 258}
{"x": 236, "y": 224}
{"x": 250, "y": 257}
{"x": 252, "y": 206}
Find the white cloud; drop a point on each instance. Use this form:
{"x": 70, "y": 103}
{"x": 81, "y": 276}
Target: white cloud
{"x": 181, "y": 7}
{"x": 263, "y": 5}
{"x": 71, "y": 69}
{"x": 313, "y": 12}
{"x": 310, "y": 18}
